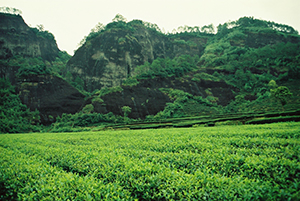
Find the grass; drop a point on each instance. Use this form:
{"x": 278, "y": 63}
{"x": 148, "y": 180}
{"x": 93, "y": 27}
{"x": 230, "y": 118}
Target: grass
{"x": 247, "y": 162}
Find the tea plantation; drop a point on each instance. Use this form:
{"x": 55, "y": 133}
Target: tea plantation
{"x": 252, "y": 162}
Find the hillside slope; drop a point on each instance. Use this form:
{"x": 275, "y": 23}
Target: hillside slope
{"x": 17, "y": 38}
{"x": 157, "y": 75}
{"x": 190, "y": 73}
{"x": 31, "y": 61}
{"x": 113, "y": 54}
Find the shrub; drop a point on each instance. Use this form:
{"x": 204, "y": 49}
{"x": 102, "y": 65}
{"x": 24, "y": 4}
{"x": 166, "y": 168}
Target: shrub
{"x": 88, "y": 108}
{"x": 105, "y": 90}
{"x": 130, "y": 82}
{"x": 281, "y": 94}
{"x": 15, "y": 117}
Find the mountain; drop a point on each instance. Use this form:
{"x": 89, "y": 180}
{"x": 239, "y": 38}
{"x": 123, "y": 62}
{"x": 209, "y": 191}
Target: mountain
{"x": 28, "y": 58}
{"x": 17, "y": 38}
{"x": 247, "y": 66}
{"x": 226, "y": 72}
{"x": 112, "y": 55}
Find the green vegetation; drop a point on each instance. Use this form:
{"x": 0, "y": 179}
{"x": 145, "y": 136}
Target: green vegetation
{"x": 81, "y": 120}
{"x": 281, "y": 93}
{"x": 9, "y": 10}
{"x": 131, "y": 81}
{"x": 120, "y": 22}
{"x": 41, "y": 32}
{"x": 36, "y": 65}
{"x": 253, "y": 162}
{"x": 15, "y": 117}
{"x": 106, "y": 90}
{"x": 167, "y": 67}
{"x": 180, "y": 100}
{"x": 126, "y": 110}
{"x": 27, "y": 66}
{"x": 254, "y": 58}
{"x": 58, "y": 66}
{"x": 230, "y": 55}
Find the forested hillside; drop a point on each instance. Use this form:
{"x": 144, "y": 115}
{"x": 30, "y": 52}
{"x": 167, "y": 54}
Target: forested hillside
{"x": 131, "y": 71}
{"x": 192, "y": 71}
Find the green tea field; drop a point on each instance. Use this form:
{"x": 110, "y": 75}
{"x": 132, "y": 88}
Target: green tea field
{"x": 247, "y": 162}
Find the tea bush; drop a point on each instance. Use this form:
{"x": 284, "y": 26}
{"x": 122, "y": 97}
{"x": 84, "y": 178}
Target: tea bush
{"x": 253, "y": 162}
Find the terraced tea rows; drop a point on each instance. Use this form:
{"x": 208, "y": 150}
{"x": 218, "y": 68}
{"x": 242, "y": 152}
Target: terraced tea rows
{"x": 219, "y": 163}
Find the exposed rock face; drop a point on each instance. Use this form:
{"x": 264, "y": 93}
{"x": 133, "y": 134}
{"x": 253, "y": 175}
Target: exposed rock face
{"x": 257, "y": 40}
{"x": 16, "y": 38}
{"x": 111, "y": 57}
{"x": 51, "y": 95}
{"x": 146, "y": 98}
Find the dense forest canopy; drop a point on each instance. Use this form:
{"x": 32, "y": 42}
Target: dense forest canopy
{"x": 245, "y": 22}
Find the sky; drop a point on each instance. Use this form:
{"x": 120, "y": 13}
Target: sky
{"x": 70, "y": 20}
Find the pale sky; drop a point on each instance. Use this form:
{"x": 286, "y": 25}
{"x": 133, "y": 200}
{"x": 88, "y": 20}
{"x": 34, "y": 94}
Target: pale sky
{"x": 71, "y": 20}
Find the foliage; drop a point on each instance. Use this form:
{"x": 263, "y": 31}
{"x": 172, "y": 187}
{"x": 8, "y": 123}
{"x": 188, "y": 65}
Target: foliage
{"x": 10, "y": 10}
{"x": 78, "y": 83}
{"x": 58, "y": 66}
{"x": 180, "y": 100}
{"x": 281, "y": 58}
{"x": 119, "y": 18}
{"x": 273, "y": 119}
{"x": 126, "y": 110}
{"x": 69, "y": 122}
{"x": 272, "y": 84}
{"x": 120, "y": 22}
{"x": 282, "y": 93}
{"x": 167, "y": 67}
{"x": 205, "y": 76}
{"x": 251, "y": 22}
{"x": 131, "y": 81}
{"x": 252, "y": 162}
{"x": 97, "y": 99}
{"x": 107, "y": 90}
{"x": 28, "y": 66}
{"x": 33, "y": 70}
{"x": 196, "y": 30}
{"x": 88, "y": 108}
{"x": 41, "y": 32}
{"x": 15, "y": 117}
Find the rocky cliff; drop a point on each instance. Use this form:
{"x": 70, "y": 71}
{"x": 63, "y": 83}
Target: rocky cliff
{"x": 17, "y": 38}
{"x": 112, "y": 56}
{"x": 240, "y": 59}
{"x": 49, "y": 94}
{"x": 146, "y": 98}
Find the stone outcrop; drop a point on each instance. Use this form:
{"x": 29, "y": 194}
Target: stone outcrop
{"x": 50, "y": 95}
{"x": 17, "y": 38}
{"x": 111, "y": 57}
{"x": 146, "y": 98}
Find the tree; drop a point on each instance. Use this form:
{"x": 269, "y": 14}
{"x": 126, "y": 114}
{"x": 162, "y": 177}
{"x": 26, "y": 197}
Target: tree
{"x": 281, "y": 94}
{"x": 40, "y": 27}
{"x": 79, "y": 83}
{"x": 272, "y": 84}
{"x": 98, "y": 28}
{"x": 119, "y": 18}
{"x": 88, "y": 108}
{"x": 15, "y": 117}
{"x": 69, "y": 77}
{"x": 209, "y": 29}
{"x": 9, "y": 10}
{"x": 126, "y": 110}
